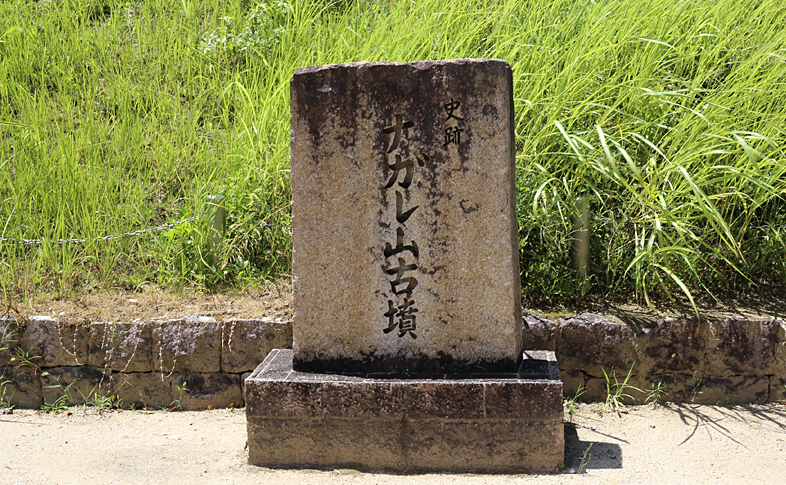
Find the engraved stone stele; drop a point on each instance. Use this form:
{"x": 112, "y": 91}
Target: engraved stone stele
{"x": 407, "y": 343}
{"x": 404, "y": 222}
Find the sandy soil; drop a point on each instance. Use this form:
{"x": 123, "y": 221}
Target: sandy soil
{"x": 651, "y": 444}
{"x": 272, "y": 302}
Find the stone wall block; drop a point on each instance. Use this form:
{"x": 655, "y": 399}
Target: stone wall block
{"x": 52, "y": 343}
{"x": 592, "y": 344}
{"x": 144, "y": 389}
{"x": 539, "y": 333}
{"x": 246, "y": 343}
{"x": 21, "y": 387}
{"x": 581, "y": 387}
{"x": 730, "y": 390}
{"x": 672, "y": 346}
{"x": 742, "y": 346}
{"x": 74, "y": 384}
{"x": 243, "y": 378}
{"x": 192, "y": 344}
{"x": 121, "y": 347}
{"x": 10, "y": 332}
{"x": 778, "y": 389}
{"x": 200, "y": 391}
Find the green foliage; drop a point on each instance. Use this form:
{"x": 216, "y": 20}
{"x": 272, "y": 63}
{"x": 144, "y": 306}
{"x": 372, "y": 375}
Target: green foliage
{"x": 60, "y": 404}
{"x": 586, "y": 456}
{"x": 177, "y": 404}
{"x": 263, "y": 29}
{"x": 23, "y": 358}
{"x": 100, "y": 400}
{"x": 617, "y": 392}
{"x": 697, "y": 386}
{"x": 656, "y": 393}
{"x": 6, "y": 336}
{"x": 570, "y": 402}
{"x": 120, "y": 115}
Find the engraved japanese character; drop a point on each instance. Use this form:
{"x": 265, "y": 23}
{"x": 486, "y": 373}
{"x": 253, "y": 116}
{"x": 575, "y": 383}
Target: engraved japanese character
{"x": 409, "y": 165}
{"x": 451, "y": 107}
{"x": 400, "y": 247}
{"x": 396, "y": 129}
{"x": 402, "y": 317}
{"x": 452, "y": 135}
{"x": 410, "y": 281}
{"x": 402, "y": 217}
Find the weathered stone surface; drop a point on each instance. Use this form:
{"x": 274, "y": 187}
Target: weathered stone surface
{"x": 121, "y": 347}
{"x": 742, "y": 346}
{"x": 730, "y": 390}
{"x": 777, "y": 389}
{"x": 539, "y": 333}
{"x": 9, "y": 338}
{"x": 506, "y": 446}
{"x": 592, "y": 344}
{"x": 523, "y": 401}
{"x": 189, "y": 345}
{"x": 22, "y": 387}
{"x": 204, "y": 391}
{"x": 275, "y": 390}
{"x": 419, "y": 446}
{"x": 144, "y": 389}
{"x": 77, "y": 384}
{"x": 243, "y": 378}
{"x": 54, "y": 343}
{"x": 404, "y": 171}
{"x": 581, "y": 387}
{"x": 483, "y": 424}
{"x": 246, "y": 343}
{"x": 673, "y": 346}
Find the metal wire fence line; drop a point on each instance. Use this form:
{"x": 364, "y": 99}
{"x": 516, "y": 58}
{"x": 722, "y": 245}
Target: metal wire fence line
{"x": 171, "y": 225}
{"x": 139, "y": 232}
{"x": 693, "y": 228}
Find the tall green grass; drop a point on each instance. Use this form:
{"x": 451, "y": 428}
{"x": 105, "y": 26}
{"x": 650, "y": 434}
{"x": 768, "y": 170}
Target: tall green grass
{"x": 122, "y": 115}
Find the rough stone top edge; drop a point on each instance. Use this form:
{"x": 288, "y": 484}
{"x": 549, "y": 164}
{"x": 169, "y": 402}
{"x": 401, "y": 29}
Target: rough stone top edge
{"x": 601, "y": 318}
{"x": 278, "y": 367}
{"x": 197, "y": 319}
{"x": 415, "y": 65}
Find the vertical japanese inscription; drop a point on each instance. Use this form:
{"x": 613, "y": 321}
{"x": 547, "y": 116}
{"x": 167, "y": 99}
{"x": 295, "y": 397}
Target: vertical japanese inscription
{"x": 401, "y": 306}
{"x": 453, "y": 133}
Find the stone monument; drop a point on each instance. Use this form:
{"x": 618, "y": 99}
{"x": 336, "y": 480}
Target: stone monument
{"x": 407, "y": 349}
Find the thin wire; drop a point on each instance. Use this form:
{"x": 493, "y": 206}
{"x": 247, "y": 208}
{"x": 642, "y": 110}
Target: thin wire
{"x": 162, "y": 227}
{"x": 694, "y": 228}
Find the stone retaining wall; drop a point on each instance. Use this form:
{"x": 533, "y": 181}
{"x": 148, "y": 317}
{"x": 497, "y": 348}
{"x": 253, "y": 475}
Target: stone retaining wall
{"x": 196, "y": 361}
{"x": 731, "y": 361}
{"x": 202, "y": 362}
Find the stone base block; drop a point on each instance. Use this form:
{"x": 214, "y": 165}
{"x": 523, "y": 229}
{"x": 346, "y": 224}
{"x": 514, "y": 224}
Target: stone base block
{"x": 479, "y": 423}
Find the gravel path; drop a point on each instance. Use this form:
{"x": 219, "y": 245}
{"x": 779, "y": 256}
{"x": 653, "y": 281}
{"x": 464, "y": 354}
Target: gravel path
{"x": 664, "y": 444}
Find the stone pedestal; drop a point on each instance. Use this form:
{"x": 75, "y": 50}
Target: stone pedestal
{"x": 504, "y": 422}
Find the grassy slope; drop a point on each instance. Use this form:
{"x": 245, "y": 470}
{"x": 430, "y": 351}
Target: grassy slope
{"x": 122, "y": 115}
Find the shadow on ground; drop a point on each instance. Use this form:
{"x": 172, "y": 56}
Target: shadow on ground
{"x": 698, "y": 418}
{"x": 588, "y": 455}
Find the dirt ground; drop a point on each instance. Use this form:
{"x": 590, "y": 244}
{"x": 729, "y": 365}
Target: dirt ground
{"x": 274, "y": 302}
{"x": 650, "y": 444}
